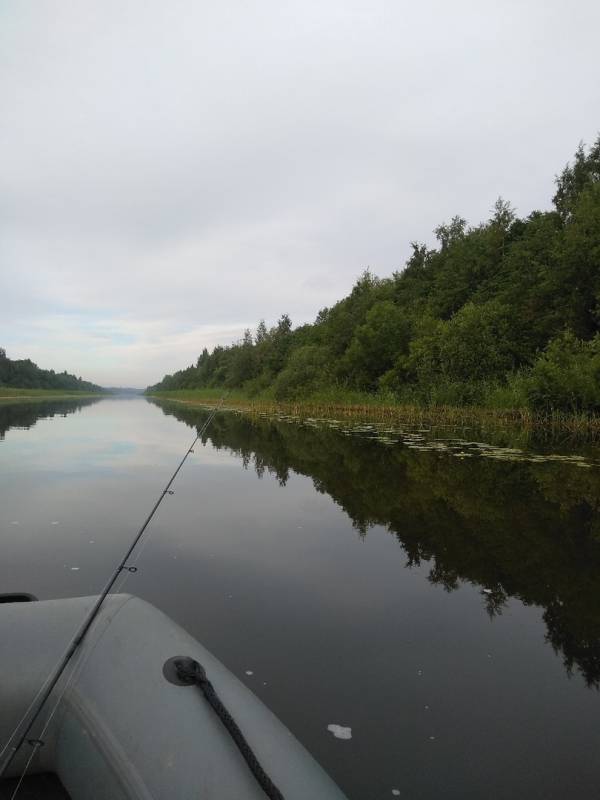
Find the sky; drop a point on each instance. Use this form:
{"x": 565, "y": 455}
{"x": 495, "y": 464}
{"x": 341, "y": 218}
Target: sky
{"x": 172, "y": 172}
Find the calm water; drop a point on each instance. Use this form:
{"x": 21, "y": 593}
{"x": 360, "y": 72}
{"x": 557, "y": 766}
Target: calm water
{"x": 438, "y": 596}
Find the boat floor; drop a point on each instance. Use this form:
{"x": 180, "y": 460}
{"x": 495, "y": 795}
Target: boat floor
{"x": 36, "y": 787}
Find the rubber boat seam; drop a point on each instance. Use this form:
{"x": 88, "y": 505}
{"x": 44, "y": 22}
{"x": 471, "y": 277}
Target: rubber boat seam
{"x": 119, "y": 601}
{"x": 108, "y": 745}
{"x": 74, "y": 701}
{"x": 95, "y": 635}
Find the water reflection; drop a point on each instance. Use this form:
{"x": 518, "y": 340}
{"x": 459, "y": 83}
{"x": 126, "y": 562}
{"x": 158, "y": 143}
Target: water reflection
{"x": 528, "y": 529}
{"x": 24, "y": 415}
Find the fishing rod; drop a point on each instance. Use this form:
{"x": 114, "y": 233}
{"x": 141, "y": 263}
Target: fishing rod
{"x": 93, "y": 613}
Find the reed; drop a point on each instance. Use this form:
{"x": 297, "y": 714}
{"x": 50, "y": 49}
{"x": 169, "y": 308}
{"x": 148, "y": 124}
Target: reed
{"x": 11, "y": 394}
{"x": 372, "y": 408}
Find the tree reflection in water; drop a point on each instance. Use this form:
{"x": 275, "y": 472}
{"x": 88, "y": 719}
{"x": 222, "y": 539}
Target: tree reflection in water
{"x": 530, "y": 531}
{"x": 25, "y": 414}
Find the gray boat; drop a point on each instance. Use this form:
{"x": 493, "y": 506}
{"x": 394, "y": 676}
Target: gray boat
{"x": 122, "y": 724}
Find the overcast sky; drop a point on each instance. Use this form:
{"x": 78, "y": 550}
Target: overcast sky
{"x": 174, "y": 171}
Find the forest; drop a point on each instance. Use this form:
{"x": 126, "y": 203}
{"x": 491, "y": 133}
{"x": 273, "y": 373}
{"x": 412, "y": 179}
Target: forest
{"x": 504, "y": 314}
{"x": 24, "y": 374}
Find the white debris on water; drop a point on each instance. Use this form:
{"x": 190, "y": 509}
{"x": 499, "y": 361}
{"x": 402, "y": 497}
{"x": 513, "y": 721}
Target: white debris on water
{"x": 74, "y": 569}
{"x": 419, "y": 672}
{"x": 54, "y": 523}
{"x": 339, "y": 731}
{"x": 249, "y": 672}
{"x": 487, "y": 591}
{"x": 396, "y": 792}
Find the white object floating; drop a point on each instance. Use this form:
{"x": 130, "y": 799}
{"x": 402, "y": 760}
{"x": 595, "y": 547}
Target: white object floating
{"x": 339, "y": 731}
{"x": 54, "y": 523}
{"x": 74, "y": 569}
{"x": 396, "y": 792}
{"x": 487, "y": 591}
{"x": 249, "y": 672}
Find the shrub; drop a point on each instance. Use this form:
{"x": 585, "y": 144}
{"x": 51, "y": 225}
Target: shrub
{"x": 306, "y": 371}
{"x": 566, "y": 377}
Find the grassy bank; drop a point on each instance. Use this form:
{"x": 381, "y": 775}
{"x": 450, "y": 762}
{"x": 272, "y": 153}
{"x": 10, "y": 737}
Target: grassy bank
{"x": 11, "y": 393}
{"x": 357, "y": 405}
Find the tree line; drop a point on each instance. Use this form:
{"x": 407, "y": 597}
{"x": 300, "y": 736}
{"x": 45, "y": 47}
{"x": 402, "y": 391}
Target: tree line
{"x": 505, "y": 314}
{"x": 24, "y": 374}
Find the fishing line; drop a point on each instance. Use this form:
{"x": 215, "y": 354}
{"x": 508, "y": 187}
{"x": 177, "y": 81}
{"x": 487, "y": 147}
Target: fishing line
{"x": 38, "y": 742}
{"x": 49, "y": 685}
{"x": 29, "y": 707}
{"x": 76, "y": 669}
{"x": 127, "y": 573}
{"x": 33, "y": 702}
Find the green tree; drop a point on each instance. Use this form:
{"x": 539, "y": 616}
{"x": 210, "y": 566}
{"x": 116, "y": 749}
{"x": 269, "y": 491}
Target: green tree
{"x": 448, "y": 234}
{"x": 566, "y": 377}
{"x": 376, "y": 344}
{"x": 461, "y": 323}
{"x": 576, "y": 177}
{"x": 261, "y": 332}
{"x": 306, "y": 371}
{"x": 478, "y": 343}
{"x": 243, "y": 363}
{"x": 279, "y": 343}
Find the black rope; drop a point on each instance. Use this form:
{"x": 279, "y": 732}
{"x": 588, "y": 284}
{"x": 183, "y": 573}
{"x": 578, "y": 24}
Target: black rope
{"x": 191, "y": 672}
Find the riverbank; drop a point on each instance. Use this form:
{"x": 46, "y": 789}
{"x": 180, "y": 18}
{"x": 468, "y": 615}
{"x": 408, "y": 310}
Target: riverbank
{"x": 11, "y": 394}
{"x": 355, "y": 405}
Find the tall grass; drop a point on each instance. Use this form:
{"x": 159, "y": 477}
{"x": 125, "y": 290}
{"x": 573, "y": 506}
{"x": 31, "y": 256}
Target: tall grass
{"x": 10, "y": 393}
{"x": 378, "y": 407}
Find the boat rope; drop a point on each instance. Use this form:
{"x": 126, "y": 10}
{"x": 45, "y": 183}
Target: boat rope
{"x": 191, "y": 672}
{"x": 76, "y": 641}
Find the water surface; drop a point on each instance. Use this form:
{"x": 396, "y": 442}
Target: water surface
{"x": 438, "y": 595}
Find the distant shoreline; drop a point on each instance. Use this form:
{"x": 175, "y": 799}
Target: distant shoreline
{"x": 11, "y": 394}
{"x": 372, "y": 407}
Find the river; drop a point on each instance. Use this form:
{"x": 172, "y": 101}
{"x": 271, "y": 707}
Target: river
{"x": 437, "y": 593}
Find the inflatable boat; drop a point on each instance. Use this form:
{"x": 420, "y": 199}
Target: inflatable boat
{"x": 127, "y": 722}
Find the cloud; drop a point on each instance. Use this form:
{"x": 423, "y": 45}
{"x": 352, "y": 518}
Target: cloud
{"x": 178, "y": 171}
